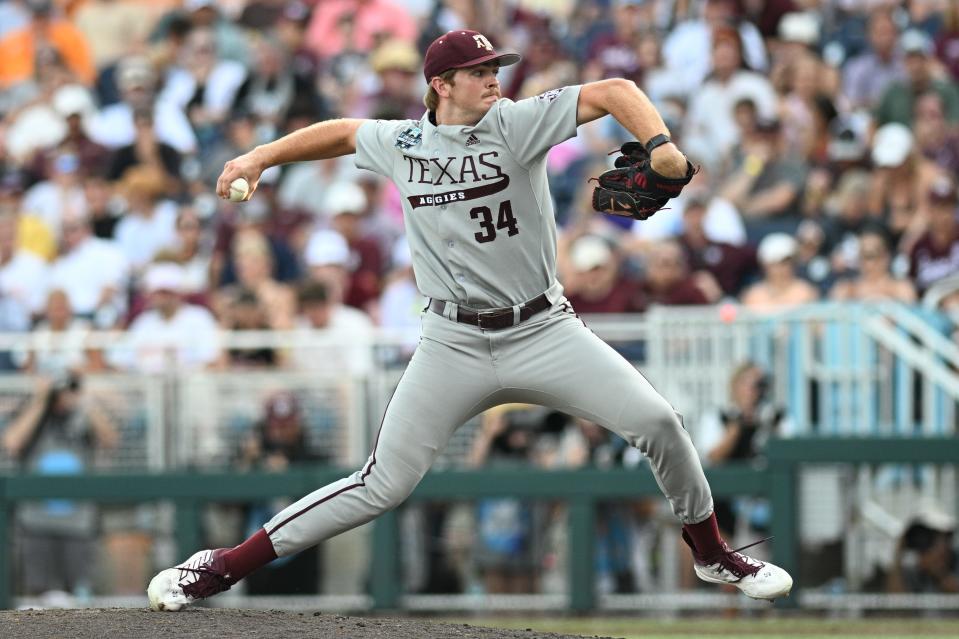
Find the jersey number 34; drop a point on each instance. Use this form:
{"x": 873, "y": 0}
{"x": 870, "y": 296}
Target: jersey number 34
{"x": 505, "y": 221}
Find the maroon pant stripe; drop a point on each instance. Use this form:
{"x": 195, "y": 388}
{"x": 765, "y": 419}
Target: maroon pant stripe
{"x": 366, "y": 473}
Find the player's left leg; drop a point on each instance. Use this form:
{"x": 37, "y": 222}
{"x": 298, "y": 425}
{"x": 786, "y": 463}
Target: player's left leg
{"x": 564, "y": 365}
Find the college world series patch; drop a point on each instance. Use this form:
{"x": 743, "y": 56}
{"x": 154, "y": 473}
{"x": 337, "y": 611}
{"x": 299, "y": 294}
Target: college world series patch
{"x": 409, "y": 138}
{"x": 549, "y": 96}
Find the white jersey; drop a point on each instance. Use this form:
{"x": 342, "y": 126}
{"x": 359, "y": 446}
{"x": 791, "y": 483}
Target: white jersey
{"x": 479, "y": 216}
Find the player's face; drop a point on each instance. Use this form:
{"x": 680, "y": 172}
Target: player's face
{"x": 476, "y": 88}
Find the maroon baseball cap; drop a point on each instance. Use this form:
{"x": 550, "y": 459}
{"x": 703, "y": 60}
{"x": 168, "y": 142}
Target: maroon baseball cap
{"x": 462, "y": 48}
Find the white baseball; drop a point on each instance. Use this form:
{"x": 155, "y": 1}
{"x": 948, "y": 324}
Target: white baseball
{"x": 239, "y": 188}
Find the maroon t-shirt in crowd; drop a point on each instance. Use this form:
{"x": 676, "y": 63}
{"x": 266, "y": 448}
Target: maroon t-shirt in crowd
{"x": 623, "y": 297}
{"x": 365, "y": 278}
{"x": 930, "y": 262}
{"x": 683, "y": 293}
{"x": 731, "y": 265}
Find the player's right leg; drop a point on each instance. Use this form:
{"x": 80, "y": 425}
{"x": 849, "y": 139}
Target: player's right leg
{"x": 447, "y": 381}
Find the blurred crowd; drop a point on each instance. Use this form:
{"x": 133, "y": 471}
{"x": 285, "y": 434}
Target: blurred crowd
{"x": 826, "y": 132}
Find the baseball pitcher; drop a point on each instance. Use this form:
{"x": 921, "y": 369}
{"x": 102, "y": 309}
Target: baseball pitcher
{"x": 479, "y": 220}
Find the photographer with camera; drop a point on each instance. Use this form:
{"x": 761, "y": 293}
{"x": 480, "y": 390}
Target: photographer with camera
{"x": 925, "y": 560}
{"x": 57, "y": 434}
{"x": 738, "y": 433}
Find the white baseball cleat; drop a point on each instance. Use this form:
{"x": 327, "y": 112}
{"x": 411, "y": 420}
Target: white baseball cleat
{"x": 757, "y": 579}
{"x": 202, "y": 575}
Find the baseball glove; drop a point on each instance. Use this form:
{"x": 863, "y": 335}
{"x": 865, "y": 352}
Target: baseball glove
{"x": 633, "y": 188}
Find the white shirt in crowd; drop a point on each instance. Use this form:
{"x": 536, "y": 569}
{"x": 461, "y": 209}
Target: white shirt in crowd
{"x": 722, "y": 222}
{"x": 89, "y": 268}
{"x": 350, "y": 334}
{"x": 23, "y": 281}
{"x": 187, "y": 341}
{"x": 113, "y": 126}
{"x": 56, "y": 352}
{"x": 710, "y": 123}
{"x": 51, "y": 203}
{"x": 141, "y": 238}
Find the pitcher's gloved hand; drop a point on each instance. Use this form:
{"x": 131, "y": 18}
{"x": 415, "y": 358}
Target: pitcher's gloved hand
{"x": 633, "y": 188}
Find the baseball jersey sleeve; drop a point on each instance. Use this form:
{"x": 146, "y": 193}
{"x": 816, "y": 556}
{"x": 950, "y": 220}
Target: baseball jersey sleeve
{"x": 378, "y": 143}
{"x": 534, "y": 125}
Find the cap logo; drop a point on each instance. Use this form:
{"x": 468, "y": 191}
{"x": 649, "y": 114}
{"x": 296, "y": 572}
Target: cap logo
{"x": 482, "y": 42}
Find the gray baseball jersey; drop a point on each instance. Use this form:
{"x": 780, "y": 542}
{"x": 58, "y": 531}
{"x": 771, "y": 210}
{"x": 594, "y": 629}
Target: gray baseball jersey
{"x": 479, "y": 216}
{"x": 480, "y": 225}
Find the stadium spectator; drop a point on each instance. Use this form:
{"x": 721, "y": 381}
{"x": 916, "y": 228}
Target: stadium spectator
{"x": 847, "y": 215}
{"x": 737, "y": 433}
{"x": 346, "y": 333}
{"x": 369, "y": 22}
{"x": 925, "y": 560}
{"x": 58, "y": 196}
{"x": 272, "y": 91}
{"x": 898, "y": 101}
{"x": 245, "y": 312}
{"x": 901, "y": 184}
{"x": 59, "y": 343}
{"x": 171, "y": 335}
{"x": 287, "y": 227}
{"x": 145, "y": 150}
{"x": 204, "y": 85}
{"x": 946, "y": 49}
{"x": 112, "y": 28}
{"x": 731, "y": 266}
{"x": 874, "y": 282}
{"x": 47, "y": 33}
{"x": 936, "y": 254}
{"x": 115, "y": 126}
{"x": 33, "y": 235}
{"x": 613, "y": 53}
{"x": 505, "y": 548}
{"x": 74, "y": 104}
{"x": 148, "y": 224}
{"x": 253, "y": 261}
{"x": 281, "y": 227}
{"x": 806, "y": 107}
{"x": 687, "y": 47}
{"x": 304, "y": 180}
{"x": 936, "y": 140}
{"x": 192, "y": 253}
{"x": 93, "y": 272}
{"x": 327, "y": 256}
{"x": 396, "y": 63}
{"x": 277, "y": 443}
{"x": 58, "y": 433}
{"x": 346, "y": 205}
{"x": 240, "y": 134}
{"x": 668, "y": 281}
{"x": 401, "y": 304}
{"x": 812, "y": 262}
{"x": 780, "y": 288}
{"x": 231, "y": 41}
{"x": 710, "y": 129}
{"x": 594, "y": 278}
{"x": 766, "y": 182}
{"x": 866, "y": 76}
{"x": 23, "y": 276}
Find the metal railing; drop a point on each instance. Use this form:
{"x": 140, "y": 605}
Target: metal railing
{"x": 581, "y": 490}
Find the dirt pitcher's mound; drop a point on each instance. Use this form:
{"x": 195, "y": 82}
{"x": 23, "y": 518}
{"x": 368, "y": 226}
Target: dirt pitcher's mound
{"x": 223, "y": 623}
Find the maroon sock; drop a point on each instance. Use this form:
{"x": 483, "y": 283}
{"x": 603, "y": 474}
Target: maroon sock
{"x": 705, "y": 536}
{"x": 253, "y": 553}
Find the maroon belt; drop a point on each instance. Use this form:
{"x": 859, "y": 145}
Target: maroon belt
{"x": 495, "y": 318}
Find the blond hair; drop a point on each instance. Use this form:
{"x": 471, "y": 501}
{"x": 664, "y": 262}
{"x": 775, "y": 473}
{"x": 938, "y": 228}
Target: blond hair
{"x": 432, "y": 98}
